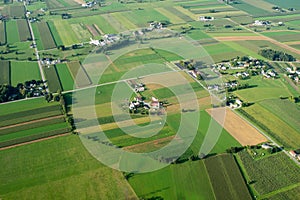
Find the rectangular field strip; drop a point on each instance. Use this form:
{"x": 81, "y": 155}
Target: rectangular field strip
{"x": 29, "y": 115}
{"x": 17, "y": 11}
{"x": 12, "y": 34}
{"x": 226, "y": 178}
{"x": 2, "y": 33}
{"x": 52, "y": 77}
{"x": 4, "y": 72}
{"x": 46, "y": 36}
{"x": 65, "y": 77}
{"x": 24, "y": 71}
{"x": 79, "y": 74}
{"x": 24, "y": 32}
{"x": 54, "y": 33}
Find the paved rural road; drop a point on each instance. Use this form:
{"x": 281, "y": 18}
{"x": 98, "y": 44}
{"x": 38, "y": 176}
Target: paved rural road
{"x": 36, "y": 52}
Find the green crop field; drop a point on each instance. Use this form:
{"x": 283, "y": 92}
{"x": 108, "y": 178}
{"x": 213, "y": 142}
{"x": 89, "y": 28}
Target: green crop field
{"x": 12, "y": 29}
{"x": 181, "y": 181}
{"x": 79, "y": 74}
{"x": 124, "y": 21}
{"x": 24, "y": 71}
{"x": 66, "y": 33}
{"x": 283, "y": 36}
{"x": 252, "y": 10}
{"x": 24, "y": 33}
{"x": 37, "y": 36}
{"x": 226, "y": 178}
{"x": 65, "y": 77}
{"x": 285, "y": 4}
{"x": 262, "y": 180}
{"x": 2, "y": 33}
{"x": 17, "y": 11}
{"x": 52, "y": 78}
{"x": 4, "y": 72}
{"x": 179, "y": 14}
{"x": 59, "y": 168}
{"x": 262, "y": 89}
{"x": 285, "y": 110}
{"x": 55, "y": 34}
{"x": 273, "y": 125}
{"x": 46, "y": 36}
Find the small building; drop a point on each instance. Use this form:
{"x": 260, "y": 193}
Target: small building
{"x": 266, "y": 146}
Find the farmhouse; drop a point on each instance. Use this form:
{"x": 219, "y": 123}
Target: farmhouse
{"x": 206, "y": 18}
{"x": 261, "y": 23}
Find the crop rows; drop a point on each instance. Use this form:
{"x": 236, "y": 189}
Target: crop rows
{"x": 34, "y": 137}
{"x": 179, "y": 14}
{"x": 53, "y": 80}
{"x": 24, "y": 33}
{"x": 4, "y": 72}
{"x": 46, "y": 36}
{"x": 24, "y": 116}
{"x": 226, "y": 178}
{"x": 34, "y": 124}
{"x": 2, "y": 34}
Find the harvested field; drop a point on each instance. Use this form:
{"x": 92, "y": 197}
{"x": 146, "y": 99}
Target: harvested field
{"x": 243, "y": 132}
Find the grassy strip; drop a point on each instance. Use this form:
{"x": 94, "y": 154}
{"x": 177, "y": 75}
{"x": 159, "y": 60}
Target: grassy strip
{"x": 32, "y": 125}
{"x": 12, "y": 34}
{"x": 4, "y": 72}
{"x": 24, "y": 33}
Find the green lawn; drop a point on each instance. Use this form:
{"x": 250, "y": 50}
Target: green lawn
{"x": 181, "y": 181}
{"x": 59, "y": 168}
{"x": 24, "y": 71}
{"x": 66, "y": 33}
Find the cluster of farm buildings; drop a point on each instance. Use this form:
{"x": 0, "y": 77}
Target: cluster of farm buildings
{"x": 295, "y": 154}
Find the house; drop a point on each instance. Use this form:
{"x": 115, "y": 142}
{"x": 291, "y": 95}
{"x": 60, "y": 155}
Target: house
{"x": 266, "y": 146}
{"x": 139, "y": 89}
{"x": 206, "y": 18}
{"x": 293, "y": 153}
{"x": 154, "y": 103}
{"x": 298, "y": 157}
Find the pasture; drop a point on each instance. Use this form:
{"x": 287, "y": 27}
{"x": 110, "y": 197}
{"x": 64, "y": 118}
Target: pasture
{"x": 180, "y": 181}
{"x": 65, "y": 77}
{"x": 24, "y": 71}
{"x": 2, "y": 33}
{"x": 226, "y": 178}
{"x": 52, "y": 78}
{"x": 46, "y": 36}
{"x": 285, "y": 4}
{"x": 36, "y": 171}
{"x": 253, "y": 10}
{"x": 24, "y": 32}
{"x": 283, "y": 174}
{"x": 4, "y": 72}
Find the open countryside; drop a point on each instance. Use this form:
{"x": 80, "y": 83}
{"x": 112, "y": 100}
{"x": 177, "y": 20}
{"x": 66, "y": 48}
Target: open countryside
{"x": 150, "y": 99}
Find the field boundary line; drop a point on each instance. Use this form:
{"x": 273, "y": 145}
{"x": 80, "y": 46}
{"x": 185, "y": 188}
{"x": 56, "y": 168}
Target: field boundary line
{"x": 34, "y": 141}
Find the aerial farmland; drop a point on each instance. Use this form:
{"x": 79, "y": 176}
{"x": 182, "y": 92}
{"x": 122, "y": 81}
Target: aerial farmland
{"x": 150, "y": 99}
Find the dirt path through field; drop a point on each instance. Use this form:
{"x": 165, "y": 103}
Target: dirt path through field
{"x": 30, "y": 122}
{"x": 34, "y": 141}
{"x": 243, "y": 132}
